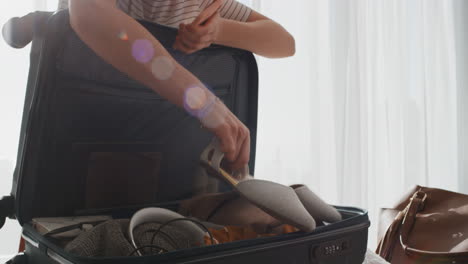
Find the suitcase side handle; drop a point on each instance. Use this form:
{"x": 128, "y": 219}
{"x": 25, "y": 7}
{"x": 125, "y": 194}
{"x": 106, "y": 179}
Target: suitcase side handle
{"x": 18, "y": 32}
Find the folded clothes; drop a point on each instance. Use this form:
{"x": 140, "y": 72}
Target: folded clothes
{"x": 230, "y": 209}
{"x": 47, "y": 225}
{"x": 106, "y": 239}
{"x": 237, "y": 233}
{"x": 64, "y": 229}
{"x": 110, "y": 239}
{"x": 226, "y": 217}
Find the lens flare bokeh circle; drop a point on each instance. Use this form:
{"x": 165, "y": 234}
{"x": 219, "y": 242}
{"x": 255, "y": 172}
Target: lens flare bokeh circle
{"x": 142, "y": 50}
{"x": 162, "y": 67}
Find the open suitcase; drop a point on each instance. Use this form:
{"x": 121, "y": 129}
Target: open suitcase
{"x": 77, "y": 105}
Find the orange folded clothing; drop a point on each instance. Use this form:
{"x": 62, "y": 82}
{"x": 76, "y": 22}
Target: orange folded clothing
{"x": 236, "y": 233}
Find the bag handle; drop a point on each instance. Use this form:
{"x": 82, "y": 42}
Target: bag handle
{"x": 416, "y": 205}
{"x": 402, "y": 224}
{"x": 387, "y": 243}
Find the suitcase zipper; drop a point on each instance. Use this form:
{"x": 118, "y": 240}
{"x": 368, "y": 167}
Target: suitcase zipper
{"x": 283, "y": 243}
{"x": 52, "y": 254}
{"x": 30, "y": 241}
{"x": 59, "y": 259}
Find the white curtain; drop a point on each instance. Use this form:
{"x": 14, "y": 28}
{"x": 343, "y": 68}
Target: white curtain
{"x": 368, "y": 106}
{"x": 13, "y": 71}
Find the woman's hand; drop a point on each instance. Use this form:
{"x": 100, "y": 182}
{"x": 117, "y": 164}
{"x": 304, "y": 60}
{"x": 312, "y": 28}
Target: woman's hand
{"x": 202, "y": 32}
{"x": 232, "y": 133}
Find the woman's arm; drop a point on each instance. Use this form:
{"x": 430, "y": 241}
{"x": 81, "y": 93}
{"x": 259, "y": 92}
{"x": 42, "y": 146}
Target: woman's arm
{"x": 99, "y": 22}
{"x": 259, "y": 34}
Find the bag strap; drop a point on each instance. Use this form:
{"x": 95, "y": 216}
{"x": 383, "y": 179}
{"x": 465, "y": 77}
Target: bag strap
{"x": 415, "y": 206}
{"x": 388, "y": 242}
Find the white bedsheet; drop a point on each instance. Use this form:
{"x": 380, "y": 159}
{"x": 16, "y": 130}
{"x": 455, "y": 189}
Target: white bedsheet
{"x": 372, "y": 258}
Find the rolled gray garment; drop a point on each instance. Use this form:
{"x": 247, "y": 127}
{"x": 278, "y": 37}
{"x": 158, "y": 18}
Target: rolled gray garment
{"x": 320, "y": 210}
{"x": 279, "y": 201}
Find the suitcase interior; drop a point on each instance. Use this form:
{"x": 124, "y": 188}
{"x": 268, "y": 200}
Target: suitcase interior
{"x": 79, "y": 110}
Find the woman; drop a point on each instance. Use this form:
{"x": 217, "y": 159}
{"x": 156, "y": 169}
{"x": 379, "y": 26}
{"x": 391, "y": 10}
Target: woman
{"x": 109, "y": 28}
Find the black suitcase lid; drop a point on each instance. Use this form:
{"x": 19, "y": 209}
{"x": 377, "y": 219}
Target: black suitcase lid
{"x": 81, "y": 114}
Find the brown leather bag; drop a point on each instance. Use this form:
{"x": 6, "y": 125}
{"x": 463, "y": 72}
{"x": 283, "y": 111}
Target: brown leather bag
{"x": 428, "y": 226}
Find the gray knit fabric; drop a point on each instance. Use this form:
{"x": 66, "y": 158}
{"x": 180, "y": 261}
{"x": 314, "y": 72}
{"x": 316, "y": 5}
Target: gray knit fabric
{"x": 106, "y": 239}
{"x": 110, "y": 239}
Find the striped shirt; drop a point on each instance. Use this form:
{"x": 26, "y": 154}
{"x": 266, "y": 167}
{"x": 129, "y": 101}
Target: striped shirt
{"x": 173, "y": 12}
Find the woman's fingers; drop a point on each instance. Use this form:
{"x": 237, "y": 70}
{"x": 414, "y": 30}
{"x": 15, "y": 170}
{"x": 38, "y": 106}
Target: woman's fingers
{"x": 208, "y": 12}
{"x": 180, "y": 45}
{"x": 188, "y": 47}
{"x": 243, "y": 155}
{"x": 189, "y": 40}
{"x": 235, "y": 143}
{"x": 228, "y": 136}
{"x": 211, "y": 21}
{"x": 233, "y": 135}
